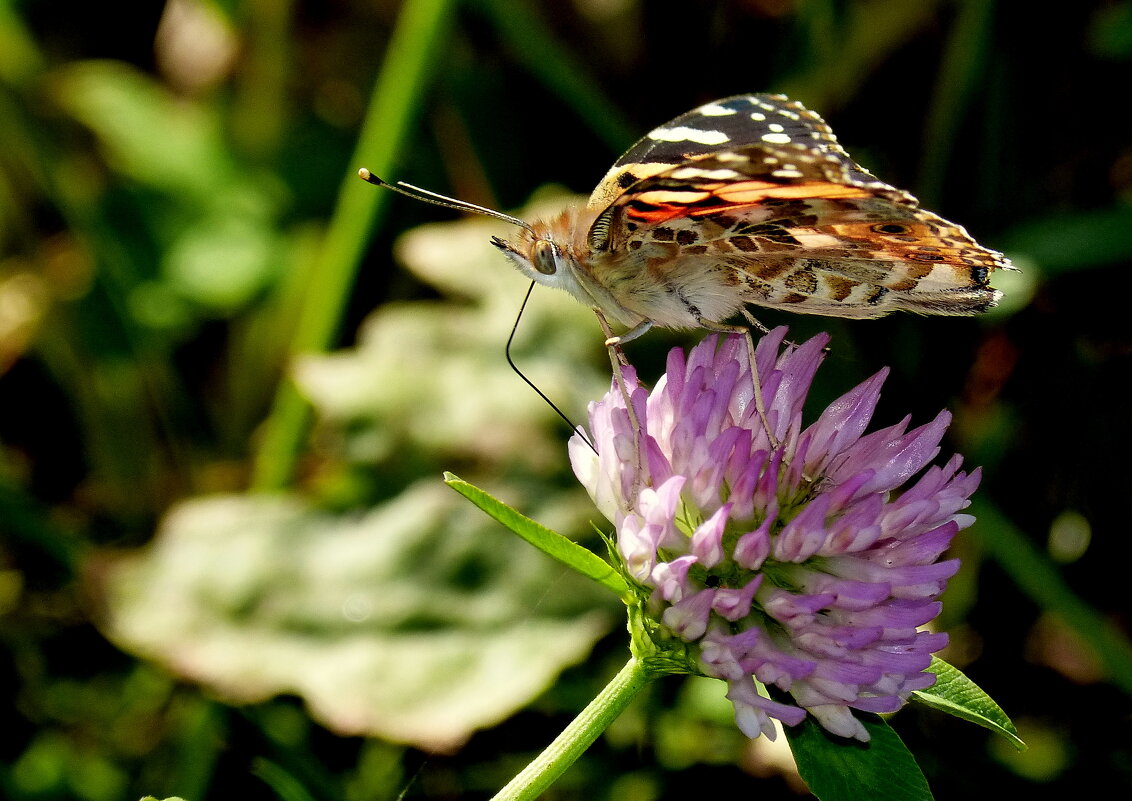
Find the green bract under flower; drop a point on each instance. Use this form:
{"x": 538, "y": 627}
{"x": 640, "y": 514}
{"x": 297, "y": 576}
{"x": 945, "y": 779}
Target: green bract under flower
{"x": 784, "y": 557}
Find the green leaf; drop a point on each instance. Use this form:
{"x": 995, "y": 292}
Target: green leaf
{"x": 549, "y": 542}
{"x": 411, "y": 59}
{"x": 285, "y": 786}
{"x": 406, "y": 622}
{"x": 957, "y": 695}
{"x": 846, "y": 770}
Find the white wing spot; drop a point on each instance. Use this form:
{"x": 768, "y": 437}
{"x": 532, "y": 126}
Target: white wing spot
{"x": 776, "y": 138}
{"x": 774, "y": 126}
{"x": 716, "y": 110}
{"x": 712, "y": 175}
{"x": 672, "y": 196}
{"x": 784, "y": 173}
{"x": 684, "y": 134}
{"x": 757, "y": 117}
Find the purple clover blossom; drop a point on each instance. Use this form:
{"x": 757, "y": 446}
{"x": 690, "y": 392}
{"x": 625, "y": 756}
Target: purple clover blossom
{"x": 788, "y": 561}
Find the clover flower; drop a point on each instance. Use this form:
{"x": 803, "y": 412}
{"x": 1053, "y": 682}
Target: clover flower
{"x": 782, "y": 558}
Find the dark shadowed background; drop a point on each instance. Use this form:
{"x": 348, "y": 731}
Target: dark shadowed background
{"x": 230, "y": 380}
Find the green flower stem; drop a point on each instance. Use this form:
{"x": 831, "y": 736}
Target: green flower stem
{"x": 579, "y": 735}
{"x": 413, "y": 54}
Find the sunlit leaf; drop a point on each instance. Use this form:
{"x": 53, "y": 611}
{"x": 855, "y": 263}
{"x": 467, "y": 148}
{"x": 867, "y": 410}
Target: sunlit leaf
{"x": 419, "y": 621}
{"x": 467, "y": 402}
{"x": 957, "y": 695}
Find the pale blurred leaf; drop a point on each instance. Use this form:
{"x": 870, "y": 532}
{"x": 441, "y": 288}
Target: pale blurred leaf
{"x": 419, "y": 621}
{"x": 433, "y": 373}
{"x": 221, "y": 261}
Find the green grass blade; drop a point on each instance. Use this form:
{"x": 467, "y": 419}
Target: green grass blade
{"x": 410, "y": 62}
{"x": 559, "y": 69}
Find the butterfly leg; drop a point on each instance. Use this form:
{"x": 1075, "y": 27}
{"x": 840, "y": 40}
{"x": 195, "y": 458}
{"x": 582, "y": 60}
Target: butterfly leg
{"x": 764, "y": 330}
{"x": 760, "y": 405}
{"x": 638, "y": 330}
{"x": 618, "y": 361}
{"x": 753, "y": 321}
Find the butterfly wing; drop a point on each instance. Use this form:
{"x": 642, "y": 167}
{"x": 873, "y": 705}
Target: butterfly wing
{"x": 725, "y": 125}
{"x": 755, "y": 191}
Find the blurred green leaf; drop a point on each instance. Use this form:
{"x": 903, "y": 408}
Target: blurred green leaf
{"x": 20, "y": 59}
{"x": 220, "y": 262}
{"x": 215, "y": 225}
{"x": 410, "y": 622}
{"x": 27, "y": 520}
{"x": 565, "y": 75}
{"x": 1074, "y": 240}
{"x": 961, "y": 70}
{"x": 1039, "y": 578}
{"x": 452, "y": 345}
{"x": 412, "y": 57}
{"x": 285, "y": 786}
{"x": 55, "y": 766}
{"x": 848, "y": 46}
{"x": 957, "y": 695}
{"x": 147, "y": 133}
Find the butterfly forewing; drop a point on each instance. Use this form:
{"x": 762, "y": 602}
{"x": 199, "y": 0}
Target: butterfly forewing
{"x": 728, "y": 126}
{"x": 755, "y": 192}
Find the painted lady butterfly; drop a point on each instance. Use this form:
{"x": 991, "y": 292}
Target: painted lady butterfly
{"x": 747, "y": 200}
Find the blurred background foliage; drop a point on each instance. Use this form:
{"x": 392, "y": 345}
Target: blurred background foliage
{"x": 229, "y": 380}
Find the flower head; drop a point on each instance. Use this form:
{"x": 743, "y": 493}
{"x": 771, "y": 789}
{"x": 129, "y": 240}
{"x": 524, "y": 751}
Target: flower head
{"x": 777, "y": 553}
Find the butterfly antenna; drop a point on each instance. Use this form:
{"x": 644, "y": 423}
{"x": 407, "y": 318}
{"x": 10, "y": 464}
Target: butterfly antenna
{"x": 576, "y": 429}
{"x": 425, "y": 196}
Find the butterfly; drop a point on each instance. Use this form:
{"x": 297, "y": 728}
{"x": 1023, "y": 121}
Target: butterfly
{"x": 747, "y": 200}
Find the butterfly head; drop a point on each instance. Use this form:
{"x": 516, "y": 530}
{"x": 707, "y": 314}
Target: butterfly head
{"x": 539, "y": 261}
{"x": 537, "y": 257}
{"x": 546, "y": 252}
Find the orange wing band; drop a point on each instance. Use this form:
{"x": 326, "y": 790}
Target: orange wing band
{"x": 661, "y": 205}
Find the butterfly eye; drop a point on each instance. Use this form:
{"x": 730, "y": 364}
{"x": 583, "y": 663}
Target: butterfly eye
{"x": 545, "y": 257}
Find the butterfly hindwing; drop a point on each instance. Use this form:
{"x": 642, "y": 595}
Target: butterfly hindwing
{"x": 860, "y": 257}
